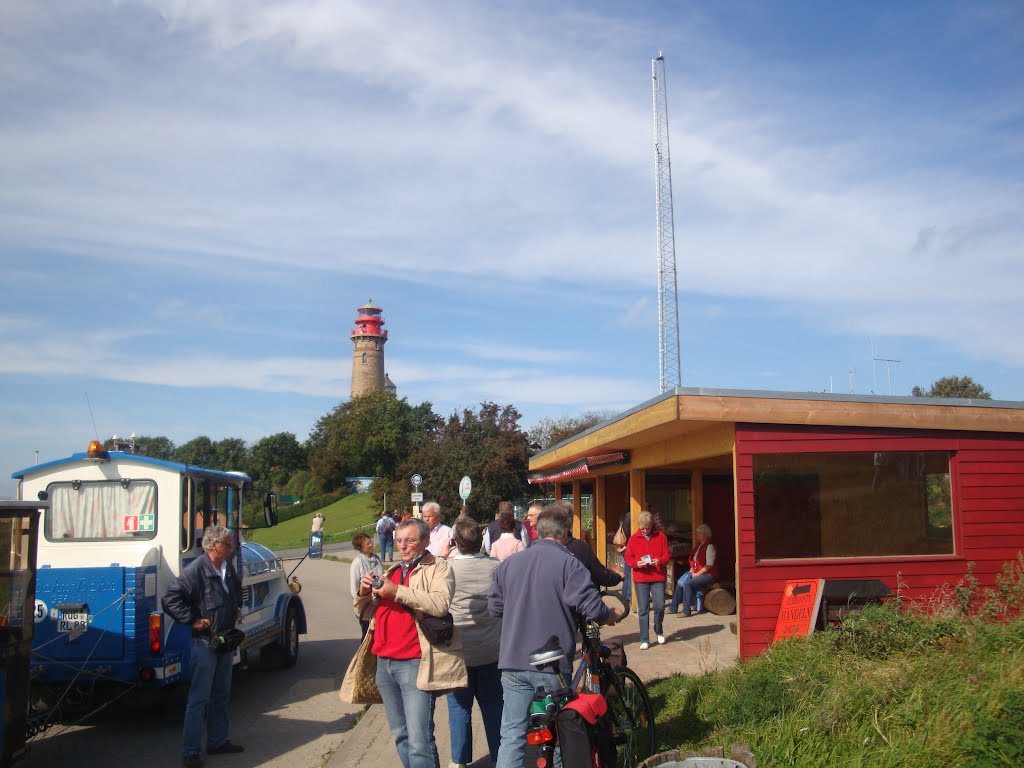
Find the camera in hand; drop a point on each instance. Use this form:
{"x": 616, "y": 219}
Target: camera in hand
{"x": 376, "y": 581}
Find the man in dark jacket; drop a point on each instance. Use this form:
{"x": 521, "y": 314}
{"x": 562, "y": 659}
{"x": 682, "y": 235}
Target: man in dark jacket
{"x": 601, "y": 576}
{"x": 538, "y": 593}
{"x": 208, "y": 597}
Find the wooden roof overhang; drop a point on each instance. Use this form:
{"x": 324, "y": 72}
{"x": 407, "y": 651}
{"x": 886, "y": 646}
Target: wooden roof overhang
{"x": 650, "y": 433}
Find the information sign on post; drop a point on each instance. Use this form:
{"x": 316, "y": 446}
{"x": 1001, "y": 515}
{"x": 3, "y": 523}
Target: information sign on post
{"x": 416, "y": 496}
{"x": 465, "y": 488}
{"x": 417, "y": 481}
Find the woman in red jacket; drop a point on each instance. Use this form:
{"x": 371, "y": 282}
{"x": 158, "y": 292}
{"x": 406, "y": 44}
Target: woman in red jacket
{"x": 647, "y": 554}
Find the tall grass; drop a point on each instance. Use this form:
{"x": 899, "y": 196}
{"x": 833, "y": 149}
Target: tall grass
{"x": 935, "y": 684}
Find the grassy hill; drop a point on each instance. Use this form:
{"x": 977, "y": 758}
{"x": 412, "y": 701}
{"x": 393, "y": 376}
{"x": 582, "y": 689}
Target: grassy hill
{"x": 888, "y": 688}
{"x": 340, "y": 520}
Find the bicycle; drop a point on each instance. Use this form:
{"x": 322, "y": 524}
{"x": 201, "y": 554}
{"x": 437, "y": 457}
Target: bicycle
{"x": 628, "y": 715}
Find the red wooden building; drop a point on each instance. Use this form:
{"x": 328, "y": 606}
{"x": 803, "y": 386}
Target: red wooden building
{"x": 797, "y": 485}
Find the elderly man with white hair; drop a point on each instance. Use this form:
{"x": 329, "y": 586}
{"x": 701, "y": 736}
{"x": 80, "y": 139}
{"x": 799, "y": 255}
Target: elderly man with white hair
{"x": 441, "y": 535}
{"x": 207, "y": 596}
{"x": 538, "y": 594}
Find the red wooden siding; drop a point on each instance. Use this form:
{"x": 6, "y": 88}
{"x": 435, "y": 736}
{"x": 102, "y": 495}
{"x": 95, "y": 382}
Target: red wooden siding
{"x": 987, "y": 477}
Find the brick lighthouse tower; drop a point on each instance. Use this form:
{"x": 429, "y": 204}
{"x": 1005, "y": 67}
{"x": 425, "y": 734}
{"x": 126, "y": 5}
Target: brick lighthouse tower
{"x": 368, "y": 339}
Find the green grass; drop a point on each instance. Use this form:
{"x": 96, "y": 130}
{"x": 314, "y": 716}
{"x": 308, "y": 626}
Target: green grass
{"x": 886, "y": 689}
{"x": 357, "y": 510}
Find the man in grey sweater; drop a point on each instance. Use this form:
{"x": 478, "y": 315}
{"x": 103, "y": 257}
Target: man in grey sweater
{"x": 538, "y": 593}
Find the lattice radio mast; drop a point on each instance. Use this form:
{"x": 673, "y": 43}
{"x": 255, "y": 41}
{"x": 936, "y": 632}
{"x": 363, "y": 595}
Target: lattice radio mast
{"x": 668, "y": 300}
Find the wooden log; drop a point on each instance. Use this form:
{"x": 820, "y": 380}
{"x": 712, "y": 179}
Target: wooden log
{"x": 720, "y": 602}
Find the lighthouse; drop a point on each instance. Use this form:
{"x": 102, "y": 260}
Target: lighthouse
{"x": 368, "y": 339}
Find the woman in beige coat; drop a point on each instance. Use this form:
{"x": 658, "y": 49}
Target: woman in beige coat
{"x": 410, "y": 671}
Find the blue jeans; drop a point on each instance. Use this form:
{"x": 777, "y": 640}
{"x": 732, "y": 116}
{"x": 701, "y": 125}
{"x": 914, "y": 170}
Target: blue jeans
{"x": 387, "y": 546}
{"x": 485, "y": 686}
{"x": 677, "y": 593}
{"x": 686, "y": 589}
{"x": 410, "y": 712}
{"x": 627, "y": 585}
{"x": 518, "y": 687}
{"x": 645, "y": 592}
{"x": 208, "y": 694}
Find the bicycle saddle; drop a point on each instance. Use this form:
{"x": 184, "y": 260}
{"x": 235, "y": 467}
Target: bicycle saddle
{"x": 548, "y": 653}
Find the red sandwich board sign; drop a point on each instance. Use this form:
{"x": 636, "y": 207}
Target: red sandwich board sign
{"x": 801, "y": 601}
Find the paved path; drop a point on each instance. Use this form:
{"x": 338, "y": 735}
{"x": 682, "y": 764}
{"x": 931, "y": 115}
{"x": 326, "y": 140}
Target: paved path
{"x": 694, "y": 645}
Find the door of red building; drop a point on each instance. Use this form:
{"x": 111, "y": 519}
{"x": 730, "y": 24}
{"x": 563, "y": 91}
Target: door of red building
{"x": 720, "y": 515}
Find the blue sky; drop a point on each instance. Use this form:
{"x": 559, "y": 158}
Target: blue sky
{"x": 196, "y": 196}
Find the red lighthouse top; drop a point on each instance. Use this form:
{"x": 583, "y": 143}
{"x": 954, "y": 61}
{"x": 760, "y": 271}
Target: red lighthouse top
{"x": 369, "y": 322}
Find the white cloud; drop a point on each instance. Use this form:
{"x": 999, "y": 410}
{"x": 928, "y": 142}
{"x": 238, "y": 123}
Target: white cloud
{"x": 497, "y": 142}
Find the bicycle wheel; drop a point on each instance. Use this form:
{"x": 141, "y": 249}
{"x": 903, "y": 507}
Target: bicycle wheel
{"x": 632, "y": 719}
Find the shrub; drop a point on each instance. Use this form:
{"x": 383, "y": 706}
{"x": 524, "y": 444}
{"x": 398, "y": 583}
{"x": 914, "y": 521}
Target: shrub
{"x": 936, "y": 681}
{"x": 998, "y": 737}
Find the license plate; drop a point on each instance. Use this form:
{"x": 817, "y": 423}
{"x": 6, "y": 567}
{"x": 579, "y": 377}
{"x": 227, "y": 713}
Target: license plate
{"x": 69, "y": 622}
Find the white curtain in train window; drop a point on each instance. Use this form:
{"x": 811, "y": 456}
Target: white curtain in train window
{"x": 98, "y": 510}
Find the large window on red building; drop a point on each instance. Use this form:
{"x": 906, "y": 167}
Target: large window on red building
{"x": 861, "y": 504}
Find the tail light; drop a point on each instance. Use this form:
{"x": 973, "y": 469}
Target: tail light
{"x": 156, "y": 633}
{"x": 539, "y": 736}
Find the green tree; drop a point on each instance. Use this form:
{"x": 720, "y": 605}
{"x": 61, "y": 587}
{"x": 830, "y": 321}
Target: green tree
{"x": 276, "y": 458}
{"x": 954, "y": 386}
{"x": 369, "y": 435}
{"x": 300, "y": 484}
{"x": 487, "y": 445}
{"x": 228, "y": 455}
{"x": 231, "y": 455}
{"x": 199, "y": 451}
{"x": 549, "y": 432}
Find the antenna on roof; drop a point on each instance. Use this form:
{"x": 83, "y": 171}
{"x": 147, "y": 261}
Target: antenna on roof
{"x": 93, "y": 418}
{"x": 888, "y": 369}
{"x": 669, "y": 369}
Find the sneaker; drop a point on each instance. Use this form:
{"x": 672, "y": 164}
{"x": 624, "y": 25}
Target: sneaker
{"x": 644, "y": 646}
{"x": 227, "y": 748}
{"x": 661, "y": 639}
{"x": 192, "y": 761}
{"x": 457, "y": 765}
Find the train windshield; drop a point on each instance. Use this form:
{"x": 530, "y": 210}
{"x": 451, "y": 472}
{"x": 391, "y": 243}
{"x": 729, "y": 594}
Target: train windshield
{"x": 101, "y": 511}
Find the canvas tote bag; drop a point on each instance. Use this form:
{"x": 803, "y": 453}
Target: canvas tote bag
{"x": 620, "y": 539}
{"x": 360, "y": 683}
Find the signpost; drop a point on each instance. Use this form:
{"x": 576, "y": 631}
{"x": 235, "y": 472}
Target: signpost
{"x": 465, "y": 488}
{"x": 416, "y": 497}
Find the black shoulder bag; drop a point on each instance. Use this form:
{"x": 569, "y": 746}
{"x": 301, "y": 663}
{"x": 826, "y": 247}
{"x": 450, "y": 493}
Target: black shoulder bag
{"x": 437, "y": 629}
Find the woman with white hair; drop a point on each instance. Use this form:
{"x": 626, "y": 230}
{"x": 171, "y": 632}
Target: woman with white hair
{"x": 703, "y": 572}
{"x": 647, "y": 554}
